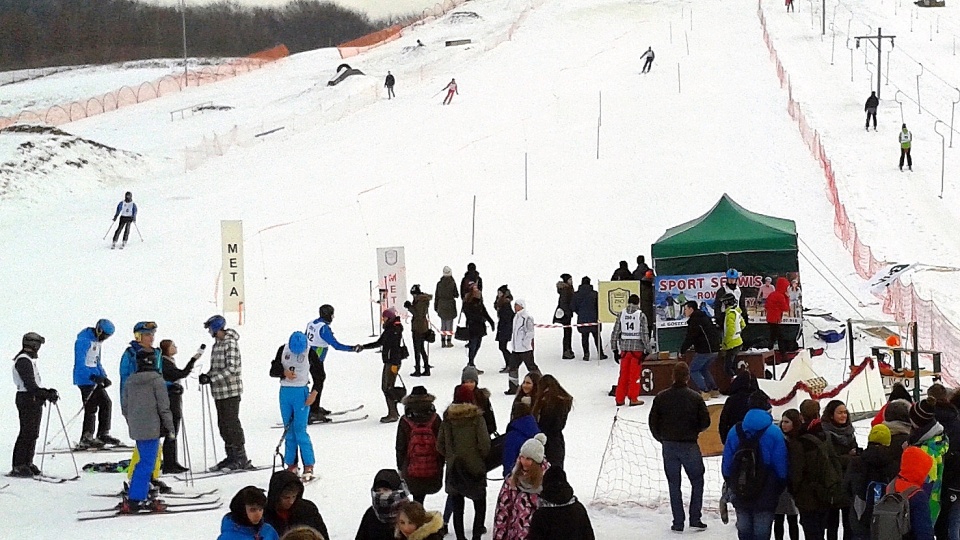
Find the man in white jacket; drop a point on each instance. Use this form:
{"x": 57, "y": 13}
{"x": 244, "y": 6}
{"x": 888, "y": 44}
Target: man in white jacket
{"x": 521, "y": 344}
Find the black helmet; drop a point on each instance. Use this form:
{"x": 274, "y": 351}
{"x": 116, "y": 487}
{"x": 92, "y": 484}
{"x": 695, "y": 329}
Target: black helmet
{"x": 326, "y": 312}
{"x": 32, "y": 341}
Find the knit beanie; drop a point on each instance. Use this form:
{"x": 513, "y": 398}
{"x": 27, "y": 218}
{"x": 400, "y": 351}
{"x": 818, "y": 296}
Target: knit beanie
{"x": 880, "y": 434}
{"x": 922, "y": 412}
{"x": 470, "y": 374}
{"x": 463, "y": 394}
{"x": 533, "y": 448}
{"x": 447, "y": 271}
{"x": 759, "y": 400}
{"x": 897, "y": 410}
{"x": 556, "y": 489}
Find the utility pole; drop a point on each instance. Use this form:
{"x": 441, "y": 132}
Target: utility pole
{"x": 183, "y": 21}
{"x": 879, "y": 37}
{"x": 823, "y": 19}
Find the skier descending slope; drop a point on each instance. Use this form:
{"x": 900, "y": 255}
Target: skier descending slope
{"x": 320, "y": 339}
{"x": 295, "y": 364}
{"x": 451, "y": 89}
{"x": 127, "y": 212}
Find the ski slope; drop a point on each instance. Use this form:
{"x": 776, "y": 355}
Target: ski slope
{"x": 351, "y": 171}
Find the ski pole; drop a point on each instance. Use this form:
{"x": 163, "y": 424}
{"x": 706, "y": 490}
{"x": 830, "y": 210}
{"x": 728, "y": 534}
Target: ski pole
{"x": 46, "y": 432}
{"x": 138, "y": 231}
{"x": 108, "y": 230}
{"x": 213, "y": 441}
{"x": 73, "y": 418}
{"x": 186, "y": 450}
{"x": 76, "y": 469}
{"x": 203, "y": 426}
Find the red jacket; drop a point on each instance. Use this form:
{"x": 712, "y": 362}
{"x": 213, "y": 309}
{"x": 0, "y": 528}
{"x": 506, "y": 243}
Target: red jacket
{"x": 777, "y": 303}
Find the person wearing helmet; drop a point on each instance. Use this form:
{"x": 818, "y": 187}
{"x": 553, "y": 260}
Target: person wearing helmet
{"x": 295, "y": 364}
{"x": 392, "y": 352}
{"x": 30, "y": 399}
{"x": 226, "y": 387}
{"x": 90, "y": 377}
{"x": 127, "y": 212}
{"x": 320, "y": 338}
{"x": 730, "y": 286}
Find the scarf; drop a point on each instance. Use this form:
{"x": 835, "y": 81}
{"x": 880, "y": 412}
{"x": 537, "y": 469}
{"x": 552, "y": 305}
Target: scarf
{"x": 843, "y": 435}
{"x": 385, "y": 505}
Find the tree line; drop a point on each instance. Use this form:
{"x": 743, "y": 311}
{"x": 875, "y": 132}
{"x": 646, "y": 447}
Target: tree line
{"x": 42, "y": 33}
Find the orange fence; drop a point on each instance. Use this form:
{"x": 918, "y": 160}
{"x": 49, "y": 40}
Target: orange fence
{"x": 131, "y": 95}
{"x": 369, "y": 41}
{"x": 935, "y": 331}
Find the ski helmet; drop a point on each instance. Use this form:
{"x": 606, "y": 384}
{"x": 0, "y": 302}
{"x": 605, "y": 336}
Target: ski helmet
{"x": 326, "y": 312}
{"x": 32, "y": 341}
{"x": 104, "y": 328}
{"x": 733, "y": 274}
{"x": 297, "y": 342}
{"x": 145, "y": 327}
{"x": 215, "y": 324}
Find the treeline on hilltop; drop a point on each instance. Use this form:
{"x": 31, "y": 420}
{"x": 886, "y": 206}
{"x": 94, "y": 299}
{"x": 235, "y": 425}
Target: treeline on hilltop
{"x": 41, "y": 33}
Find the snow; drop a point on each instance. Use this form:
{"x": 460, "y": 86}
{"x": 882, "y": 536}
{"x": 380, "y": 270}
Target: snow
{"x": 352, "y": 171}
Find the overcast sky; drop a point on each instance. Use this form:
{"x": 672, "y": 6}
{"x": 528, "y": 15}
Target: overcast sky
{"x": 374, "y": 8}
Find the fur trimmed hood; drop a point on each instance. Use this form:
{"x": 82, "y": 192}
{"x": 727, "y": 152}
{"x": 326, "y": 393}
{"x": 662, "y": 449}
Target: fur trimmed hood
{"x": 461, "y": 411}
{"x": 418, "y": 400}
{"x": 431, "y": 527}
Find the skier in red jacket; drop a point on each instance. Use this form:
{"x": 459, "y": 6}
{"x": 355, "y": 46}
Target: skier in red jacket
{"x": 777, "y": 304}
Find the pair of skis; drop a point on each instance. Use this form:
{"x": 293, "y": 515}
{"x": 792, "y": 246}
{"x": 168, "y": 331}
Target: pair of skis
{"x": 217, "y": 474}
{"x": 90, "y": 450}
{"x": 171, "y": 508}
{"x": 49, "y": 479}
{"x": 335, "y": 420}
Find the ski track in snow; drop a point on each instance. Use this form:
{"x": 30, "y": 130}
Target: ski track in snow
{"x": 352, "y": 171}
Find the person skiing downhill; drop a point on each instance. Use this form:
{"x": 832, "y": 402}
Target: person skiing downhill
{"x": 90, "y": 377}
{"x": 388, "y": 84}
{"x": 906, "y": 138}
{"x": 127, "y": 212}
{"x": 451, "y": 89}
{"x": 649, "y": 62}
{"x": 30, "y": 399}
{"x": 295, "y": 364}
{"x": 320, "y": 339}
{"x": 870, "y": 107}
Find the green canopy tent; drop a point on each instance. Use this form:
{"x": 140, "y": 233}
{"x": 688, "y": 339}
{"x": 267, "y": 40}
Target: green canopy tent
{"x": 728, "y": 236}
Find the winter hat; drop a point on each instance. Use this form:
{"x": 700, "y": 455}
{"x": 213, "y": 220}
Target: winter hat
{"x": 418, "y": 391}
{"x": 520, "y": 302}
{"x": 388, "y": 314}
{"x": 297, "y": 342}
{"x": 533, "y": 448}
{"x": 921, "y": 413}
{"x": 505, "y": 289}
{"x": 32, "y": 341}
{"x": 415, "y": 290}
{"x": 899, "y": 392}
{"x": 759, "y": 400}
{"x": 565, "y": 277}
{"x": 904, "y": 126}
{"x": 897, "y": 410}
{"x": 585, "y": 280}
{"x": 470, "y": 373}
{"x": 556, "y": 489}
{"x": 471, "y": 267}
{"x": 915, "y": 465}
{"x": 880, "y": 434}
{"x": 463, "y": 394}
{"x": 447, "y": 271}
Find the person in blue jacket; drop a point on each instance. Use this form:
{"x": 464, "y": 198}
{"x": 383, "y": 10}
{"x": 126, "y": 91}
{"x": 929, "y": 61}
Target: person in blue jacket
{"x": 245, "y": 521}
{"x": 320, "y": 339}
{"x": 90, "y": 377}
{"x": 127, "y": 212}
{"x": 755, "y": 516}
{"x": 522, "y": 427}
{"x": 143, "y": 334}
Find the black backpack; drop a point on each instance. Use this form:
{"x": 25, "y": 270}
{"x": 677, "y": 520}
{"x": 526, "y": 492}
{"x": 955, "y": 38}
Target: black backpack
{"x": 749, "y": 472}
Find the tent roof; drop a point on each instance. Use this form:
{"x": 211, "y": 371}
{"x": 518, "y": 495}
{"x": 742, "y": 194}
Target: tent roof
{"x": 727, "y": 228}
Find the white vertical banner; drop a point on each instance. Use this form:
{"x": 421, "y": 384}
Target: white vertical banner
{"x": 392, "y": 277}
{"x": 231, "y": 239}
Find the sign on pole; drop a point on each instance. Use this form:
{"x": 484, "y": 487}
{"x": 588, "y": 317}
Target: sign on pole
{"x": 231, "y": 235}
{"x": 613, "y": 298}
{"x": 392, "y": 277}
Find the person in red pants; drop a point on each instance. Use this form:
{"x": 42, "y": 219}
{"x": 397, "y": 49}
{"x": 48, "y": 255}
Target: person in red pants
{"x": 631, "y": 342}
{"x": 451, "y": 89}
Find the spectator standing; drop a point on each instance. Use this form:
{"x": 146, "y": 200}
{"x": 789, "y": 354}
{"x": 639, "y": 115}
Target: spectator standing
{"x": 445, "y": 304}
{"x": 564, "y": 315}
{"x": 551, "y": 408}
{"x": 504, "y": 308}
{"x": 586, "y": 305}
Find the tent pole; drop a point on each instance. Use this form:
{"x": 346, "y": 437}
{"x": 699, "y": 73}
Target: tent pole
{"x": 850, "y": 339}
{"x": 915, "y": 361}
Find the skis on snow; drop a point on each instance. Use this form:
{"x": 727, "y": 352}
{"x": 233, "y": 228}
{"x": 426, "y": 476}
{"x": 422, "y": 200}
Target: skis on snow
{"x": 169, "y": 505}
{"x": 91, "y": 450}
{"x": 50, "y": 479}
{"x": 171, "y": 495}
{"x": 217, "y": 474}
{"x": 335, "y": 420}
{"x": 109, "y": 513}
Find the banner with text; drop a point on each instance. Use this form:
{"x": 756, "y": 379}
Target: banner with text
{"x": 613, "y": 298}
{"x": 392, "y": 277}
{"x": 231, "y": 239}
{"x": 671, "y": 292}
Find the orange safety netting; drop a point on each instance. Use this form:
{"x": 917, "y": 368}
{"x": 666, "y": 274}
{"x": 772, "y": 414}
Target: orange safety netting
{"x": 934, "y": 330}
{"x": 131, "y": 95}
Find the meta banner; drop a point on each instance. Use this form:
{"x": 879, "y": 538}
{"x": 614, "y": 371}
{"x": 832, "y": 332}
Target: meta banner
{"x": 231, "y": 240}
{"x": 392, "y": 276}
{"x": 672, "y": 292}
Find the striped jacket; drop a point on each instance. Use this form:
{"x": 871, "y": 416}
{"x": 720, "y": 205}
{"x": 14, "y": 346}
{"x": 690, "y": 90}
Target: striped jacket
{"x": 225, "y": 381}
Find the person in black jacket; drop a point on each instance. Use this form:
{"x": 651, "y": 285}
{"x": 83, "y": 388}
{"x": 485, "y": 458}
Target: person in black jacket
{"x": 391, "y": 351}
{"x": 585, "y": 304}
{"x": 737, "y": 405}
{"x": 380, "y": 519}
{"x": 172, "y": 374}
{"x": 286, "y": 508}
{"x": 551, "y": 407}
{"x": 622, "y": 273}
{"x": 642, "y": 268}
{"x": 477, "y": 318}
{"x": 677, "y": 418}
{"x": 564, "y": 315}
{"x": 504, "y": 307}
{"x": 30, "y": 399}
{"x": 470, "y": 276}
{"x": 388, "y": 83}
{"x": 870, "y": 107}
{"x": 704, "y": 337}
{"x": 559, "y": 516}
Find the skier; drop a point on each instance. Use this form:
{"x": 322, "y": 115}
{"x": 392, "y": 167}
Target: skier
{"x": 451, "y": 89}
{"x": 142, "y": 345}
{"x": 320, "y": 338}
{"x": 147, "y": 409}
{"x": 871, "y": 109}
{"x": 89, "y": 376}
{"x": 30, "y": 398}
{"x": 172, "y": 374}
{"x": 226, "y": 387}
{"x": 905, "y": 139}
{"x": 127, "y": 212}
{"x": 729, "y": 286}
{"x": 393, "y": 353}
{"x": 295, "y": 364}
{"x": 389, "y": 85}
{"x": 649, "y": 63}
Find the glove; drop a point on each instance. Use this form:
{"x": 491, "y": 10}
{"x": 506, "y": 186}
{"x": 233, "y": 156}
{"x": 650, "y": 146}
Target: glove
{"x": 408, "y": 305}
{"x": 106, "y": 382}
{"x": 114, "y": 218}
{"x": 616, "y": 356}
{"x": 51, "y": 395}
{"x": 176, "y": 389}
{"x": 394, "y": 369}
{"x": 204, "y": 378}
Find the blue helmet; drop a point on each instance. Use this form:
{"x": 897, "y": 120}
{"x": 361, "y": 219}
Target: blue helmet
{"x": 104, "y": 328}
{"x": 733, "y": 274}
{"x": 297, "y": 342}
{"x": 215, "y": 324}
{"x": 145, "y": 327}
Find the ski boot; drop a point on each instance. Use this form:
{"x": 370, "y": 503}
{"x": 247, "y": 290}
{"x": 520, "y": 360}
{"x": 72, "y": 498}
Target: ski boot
{"x": 113, "y": 245}
{"x": 307, "y": 475}
{"x": 88, "y": 442}
{"x": 21, "y": 471}
{"x": 161, "y": 487}
{"x": 416, "y": 373}
{"x": 106, "y": 439}
{"x": 123, "y": 245}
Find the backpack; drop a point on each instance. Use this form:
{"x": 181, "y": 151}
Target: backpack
{"x": 422, "y": 458}
{"x": 891, "y": 514}
{"x": 830, "y": 480}
{"x": 749, "y": 472}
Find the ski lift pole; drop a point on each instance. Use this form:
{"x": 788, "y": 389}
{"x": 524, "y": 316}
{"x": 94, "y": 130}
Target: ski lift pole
{"x": 943, "y": 151}
{"x": 896, "y": 97}
{"x": 953, "y": 109}
{"x": 213, "y": 442}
